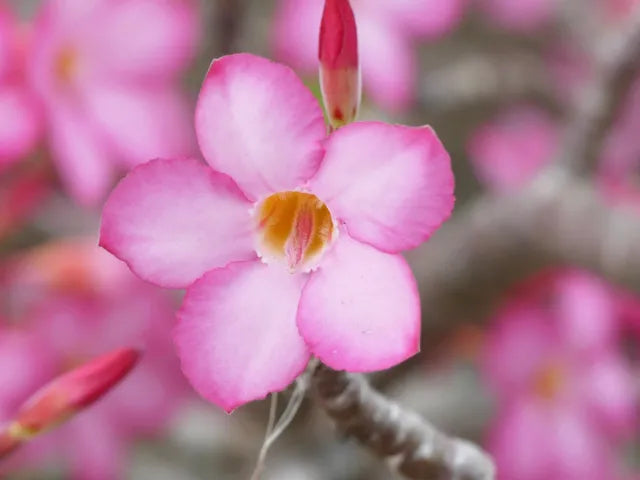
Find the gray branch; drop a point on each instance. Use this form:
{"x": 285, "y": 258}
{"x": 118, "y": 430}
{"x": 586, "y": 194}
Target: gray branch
{"x": 413, "y": 446}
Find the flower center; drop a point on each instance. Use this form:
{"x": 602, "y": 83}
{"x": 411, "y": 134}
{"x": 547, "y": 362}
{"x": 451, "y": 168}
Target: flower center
{"x": 293, "y": 227}
{"x": 66, "y": 65}
{"x": 548, "y": 381}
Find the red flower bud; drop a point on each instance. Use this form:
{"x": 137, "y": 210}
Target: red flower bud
{"x": 339, "y": 66}
{"x": 67, "y": 395}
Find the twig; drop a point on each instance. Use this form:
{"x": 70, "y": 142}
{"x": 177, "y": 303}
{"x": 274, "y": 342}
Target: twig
{"x": 416, "y": 448}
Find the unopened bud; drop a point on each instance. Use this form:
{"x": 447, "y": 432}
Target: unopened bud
{"x": 339, "y": 67}
{"x": 65, "y": 396}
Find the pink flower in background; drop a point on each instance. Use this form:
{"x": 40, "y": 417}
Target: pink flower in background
{"x": 19, "y": 116}
{"x": 520, "y": 15}
{"x": 564, "y": 392}
{"x": 387, "y": 32}
{"x": 63, "y": 304}
{"x": 294, "y": 246}
{"x": 508, "y": 151}
{"x": 106, "y": 73}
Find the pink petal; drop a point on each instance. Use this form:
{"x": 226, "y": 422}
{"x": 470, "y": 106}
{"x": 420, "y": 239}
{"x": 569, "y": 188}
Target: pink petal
{"x": 523, "y": 15}
{"x": 237, "y": 336}
{"x": 143, "y": 38}
{"x": 389, "y": 69}
{"x": 142, "y": 123}
{"x": 586, "y": 312}
{"x": 608, "y": 389}
{"x": 82, "y": 159}
{"x": 524, "y": 336}
{"x": 427, "y": 18}
{"x": 258, "y": 123}
{"x": 173, "y": 220}
{"x": 392, "y": 186}
{"x": 534, "y": 441}
{"x": 361, "y": 310}
{"x": 19, "y": 124}
{"x": 295, "y": 33}
{"x": 508, "y": 151}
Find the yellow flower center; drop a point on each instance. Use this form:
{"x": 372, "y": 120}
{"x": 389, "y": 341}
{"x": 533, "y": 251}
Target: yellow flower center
{"x": 548, "y": 381}
{"x": 295, "y": 227}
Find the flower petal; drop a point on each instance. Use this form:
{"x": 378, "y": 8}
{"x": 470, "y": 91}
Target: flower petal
{"x": 237, "y": 336}
{"x": 142, "y": 123}
{"x": 258, "y": 123}
{"x": 392, "y": 186}
{"x": 19, "y": 124}
{"x": 143, "y": 38}
{"x": 295, "y": 33}
{"x": 173, "y": 220}
{"x": 389, "y": 67}
{"x": 427, "y": 18}
{"x": 361, "y": 310}
{"x": 83, "y": 164}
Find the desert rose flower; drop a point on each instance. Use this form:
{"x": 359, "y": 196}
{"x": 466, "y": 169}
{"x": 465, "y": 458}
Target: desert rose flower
{"x": 63, "y": 304}
{"x": 387, "y": 32}
{"x": 510, "y": 149}
{"x": 106, "y": 74}
{"x": 288, "y": 241}
{"x": 19, "y": 116}
{"x": 564, "y": 391}
{"x": 66, "y": 396}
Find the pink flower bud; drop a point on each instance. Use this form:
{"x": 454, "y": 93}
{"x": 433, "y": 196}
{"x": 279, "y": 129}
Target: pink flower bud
{"x": 339, "y": 67}
{"x": 67, "y": 395}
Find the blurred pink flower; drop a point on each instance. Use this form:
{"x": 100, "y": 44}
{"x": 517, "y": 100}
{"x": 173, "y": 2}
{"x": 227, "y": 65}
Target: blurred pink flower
{"x": 19, "y": 116}
{"x": 106, "y": 73}
{"x": 520, "y": 15}
{"x": 387, "y": 31}
{"x": 565, "y": 393}
{"x": 67, "y": 302}
{"x": 509, "y": 150}
{"x": 327, "y": 216}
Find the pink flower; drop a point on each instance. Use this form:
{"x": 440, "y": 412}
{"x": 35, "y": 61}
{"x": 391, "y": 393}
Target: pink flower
{"x": 521, "y": 15}
{"x": 387, "y": 31}
{"x": 69, "y": 302}
{"x": 19, "y": 116}
{"x": 290, "y": 242}
{"x": 508, "y": 151}
{"x": 565, "y": 393}
{"x": 106, "y": 74}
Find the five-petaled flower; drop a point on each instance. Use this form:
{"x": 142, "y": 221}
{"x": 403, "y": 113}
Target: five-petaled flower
{"x": 289, "y": 244}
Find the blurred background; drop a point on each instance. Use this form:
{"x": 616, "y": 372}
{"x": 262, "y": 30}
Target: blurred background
{"x": 532, "y": 324}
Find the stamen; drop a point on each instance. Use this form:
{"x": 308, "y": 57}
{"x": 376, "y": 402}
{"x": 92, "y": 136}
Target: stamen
{"x": 295, "y": 227}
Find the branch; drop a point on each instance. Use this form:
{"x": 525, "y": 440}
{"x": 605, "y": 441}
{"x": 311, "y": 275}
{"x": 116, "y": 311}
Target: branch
{"x": 416, "y": 448}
